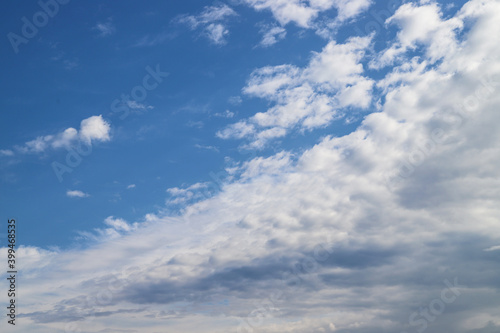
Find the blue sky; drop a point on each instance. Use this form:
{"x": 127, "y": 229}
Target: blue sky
{"x": 69, "y": 72}
{"x": 202, "y": 154}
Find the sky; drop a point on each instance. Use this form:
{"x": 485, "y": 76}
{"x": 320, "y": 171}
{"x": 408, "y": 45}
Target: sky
{"x": 251, "y": 165}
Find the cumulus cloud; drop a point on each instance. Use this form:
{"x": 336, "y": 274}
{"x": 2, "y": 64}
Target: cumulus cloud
{"x": 306, "y": 98}
{"x": 212, "y": 21}
{"x": 375, "y": 231}
{"x": 439, "y": 35}
{"x": 92, "y": 129}
{"x": 303, "y": 13}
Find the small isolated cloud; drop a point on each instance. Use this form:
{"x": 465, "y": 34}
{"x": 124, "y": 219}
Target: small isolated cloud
{"x": 225, "y": 114}
{"x": 6, "y": 152}
{"x": 136, "y": 106}
{"x": 131, "y": 186}
{"x": 271, "y": 35}
{"x": 217, "y": 33}
{"x": 235, "y": 100}
{"x": 212, "y": 22}
{"x": 92, "y": 129}
{"x": 106, "y": 28}
{"x": 70, "y": 64}
{"x": 153, "y": 40}
{"x": 207, "y": 147}
{"x": 77, "y": 194}
{"x": 195, "y": 124}
{"x": 493, "y": 248}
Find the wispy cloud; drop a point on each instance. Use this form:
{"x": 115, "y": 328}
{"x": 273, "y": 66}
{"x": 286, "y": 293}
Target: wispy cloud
{"x": 226, "y": 114}
{"x": 118, "y": 224}
{"x": 136, "y": 106}
{"x": 6, "y": 152}
{"x": 493, "y": 248}
{"x": 235, "y": 100}
{"x": 212, "y": 21}
{"x": 271, "y": 35}
{"x": 76, "y": 194}
{"x": 155, "y": 39}
{"x": 105, "y": 29}
{"x": 206, "y": 147}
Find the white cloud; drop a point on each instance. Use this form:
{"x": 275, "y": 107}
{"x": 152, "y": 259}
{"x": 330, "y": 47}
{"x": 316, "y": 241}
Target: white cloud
{"x": 105, "y": 28}
{"x": 303, "y": 13}
{"x": 287, "y": 11}
{"x": 65, "y": 139}
{"x": 131, "y": 186}
{"x": 191, "y": 193}
{"x": 306, "y": 98}
{"x": 134, "y": 105}
{"x": 348, "y": 8}
{"x": 271, "y": 35}
{"x": 493, "y": 248}
{"x": 76, "y": 194}
{"x": 213, "y": 148}
{"x": 217, "y": 33}
{"x": 38, "y": 145}
{"x": 212, "y": 21}
{"x": 225, "y": 114}
{"x": 92, "y": 129}
{"x": 271, "y": 166}
{"x": 153, "y": 40}
{"x": 117, "y": 224}
{"x": 235, "y": 100}
{"x": 6, "y": 152}
{"x": 438, "y": 34}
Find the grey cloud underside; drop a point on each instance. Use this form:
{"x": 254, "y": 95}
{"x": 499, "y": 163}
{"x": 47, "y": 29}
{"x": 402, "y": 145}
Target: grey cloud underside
{"x": 404, "y": 268}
